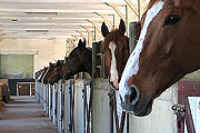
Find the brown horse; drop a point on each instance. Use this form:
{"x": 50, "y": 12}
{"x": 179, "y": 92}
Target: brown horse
{"x": 54, "y": 74}
{"x": 115, "y": 46}
{"x": 79, "y": 60}
{"x": 48, "y": 72}
{"x": 38, "y": 73}
{"x": 167, "y": 50}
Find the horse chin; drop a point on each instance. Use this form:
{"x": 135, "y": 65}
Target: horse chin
{"x": 137, "y": 111}
{"x": 146, "y": 111}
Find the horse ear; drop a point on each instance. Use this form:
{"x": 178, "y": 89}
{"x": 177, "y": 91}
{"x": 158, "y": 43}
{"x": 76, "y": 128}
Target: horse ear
{"x": 81, "y": 43}
{"x": 104, "y": 30}
{"x": 58, "y": 63}
{"x": 122, "y": 27}
{"x": 50, "y": 64}
{"x": 66, "y": 60}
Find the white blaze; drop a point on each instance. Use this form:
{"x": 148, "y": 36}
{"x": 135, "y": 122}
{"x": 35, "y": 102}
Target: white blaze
{"x": 132, "y": 65}
{"x": 40, "y": 75}
{"x": 113, "y": 68}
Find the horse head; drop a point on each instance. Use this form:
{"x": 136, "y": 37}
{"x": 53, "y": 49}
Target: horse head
{"x": 79, "y": 60}
{"x": 56, "y": 73}
{"x": 48, "y": 72}
{"x": 115, "y": 46}
{"x": 167, "y": 50}
{"x": 42, "y": 74}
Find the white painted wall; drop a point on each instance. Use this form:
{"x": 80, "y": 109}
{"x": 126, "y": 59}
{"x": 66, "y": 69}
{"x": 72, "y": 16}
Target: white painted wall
{"x": 162, "y": 119}
{"x": 44, "y": 50}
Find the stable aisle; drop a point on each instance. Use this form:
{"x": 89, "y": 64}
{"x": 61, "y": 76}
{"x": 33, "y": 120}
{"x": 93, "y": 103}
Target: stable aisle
{"x": 24, "y": 115}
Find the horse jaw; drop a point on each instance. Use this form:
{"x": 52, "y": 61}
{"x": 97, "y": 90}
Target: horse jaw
{"x": 114, "y": 76}
{"x": 132, "y": 66}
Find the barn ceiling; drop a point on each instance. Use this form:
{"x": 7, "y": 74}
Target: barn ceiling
{"x": 51, "y": 18}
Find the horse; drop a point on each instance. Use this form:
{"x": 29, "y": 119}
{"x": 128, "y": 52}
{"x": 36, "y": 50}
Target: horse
{"x": 115, "y": 47}
{"x": 48, "y": 72}
{"x": 166, "y": 51}
{"x": 38, "y": 73}
{"x": 54, "y": 74}
{"x": 42, "y": 74}
{"x": 79, "y": 60}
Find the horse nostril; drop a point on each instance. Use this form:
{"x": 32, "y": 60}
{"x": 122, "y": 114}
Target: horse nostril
{"x": 134, "y": 94}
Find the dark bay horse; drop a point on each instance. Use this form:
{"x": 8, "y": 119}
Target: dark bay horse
{"x": 115, "y": 46}
{"x": 79, "y": 60}
{"x": 38, "y": 73}
{"x": 42, "y": 73}
{"x": 168, "y": 49}
{"x": 54, "y": 74}
{"x": 49, "y": 72}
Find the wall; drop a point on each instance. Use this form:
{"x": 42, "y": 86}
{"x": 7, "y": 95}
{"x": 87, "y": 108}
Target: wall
{"x": 162, "y": 119}
{"x": 44, "y": 50}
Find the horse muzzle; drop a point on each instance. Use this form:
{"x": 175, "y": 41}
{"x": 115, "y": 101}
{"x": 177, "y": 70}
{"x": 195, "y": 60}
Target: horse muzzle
{"x": 130, "y": 99}
{"x": 134, "y": 103}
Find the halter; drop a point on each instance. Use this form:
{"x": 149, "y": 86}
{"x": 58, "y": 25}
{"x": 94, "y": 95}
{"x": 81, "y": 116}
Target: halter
{"x": 111, "y": 84}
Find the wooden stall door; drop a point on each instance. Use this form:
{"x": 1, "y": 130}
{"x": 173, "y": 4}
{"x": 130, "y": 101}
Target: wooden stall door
{"x": 189, "y": 95}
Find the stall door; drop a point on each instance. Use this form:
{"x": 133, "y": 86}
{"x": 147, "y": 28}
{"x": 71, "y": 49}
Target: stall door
{"x": 189, "y": 96}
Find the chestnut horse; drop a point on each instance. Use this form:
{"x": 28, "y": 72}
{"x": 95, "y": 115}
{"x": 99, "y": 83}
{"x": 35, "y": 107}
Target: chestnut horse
{"x": 79, "y": 60}
{"x": 166, "y": 51}
{"x": 115, "y": 46}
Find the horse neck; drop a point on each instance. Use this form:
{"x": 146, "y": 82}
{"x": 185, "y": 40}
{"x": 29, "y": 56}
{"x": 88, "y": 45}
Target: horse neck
{"x": 87, "y": 64}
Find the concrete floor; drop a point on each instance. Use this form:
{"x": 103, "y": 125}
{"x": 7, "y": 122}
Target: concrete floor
{"x": 24, "y": 115}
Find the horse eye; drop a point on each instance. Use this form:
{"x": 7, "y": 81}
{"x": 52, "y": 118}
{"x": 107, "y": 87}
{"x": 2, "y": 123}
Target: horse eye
{"x": 172, "y": 19}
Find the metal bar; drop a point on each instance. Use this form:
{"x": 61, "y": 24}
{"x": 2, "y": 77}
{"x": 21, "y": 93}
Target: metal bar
{"x": 132, "y": 7}
{"x": 113, "y": 21}
{"x": 17, "y": 89}
{"x": 189, "y": 119}
{"x": 126, "y": 19}
{"x": 105, "y": 18}
{"x": 122, "y": 122}
{"x": 119, "y": 13}
{"x": 139, "y": 12}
